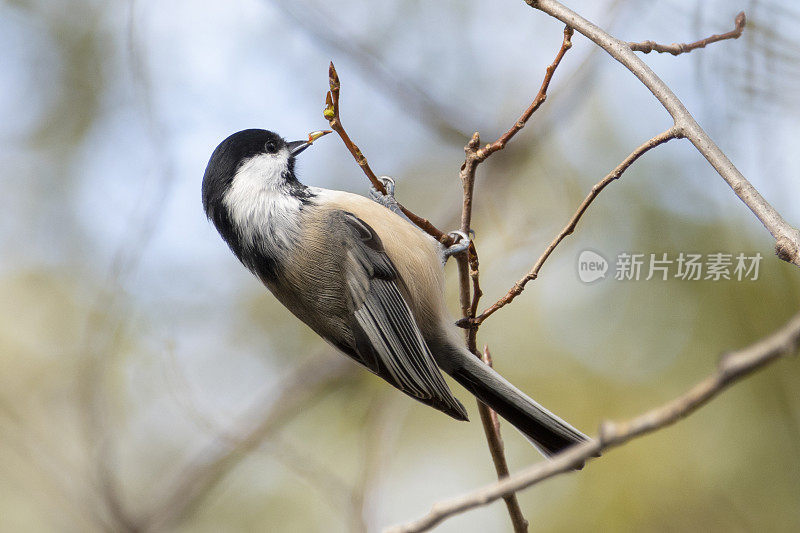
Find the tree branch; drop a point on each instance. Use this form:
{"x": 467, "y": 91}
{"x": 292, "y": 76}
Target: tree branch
{"x": 787, "y": 238}
{"x": 331, "y": 113}
{"x": 501, "y": 142}
{"x": 491, "y": 428}
{"x": 677, "y": 49}
{"x": 615, "y": 174}
{"x": 732, "y": 367}
{"x": 468, "y": 270}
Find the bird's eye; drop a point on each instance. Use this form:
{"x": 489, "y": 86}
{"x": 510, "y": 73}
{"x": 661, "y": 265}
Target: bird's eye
{"x": 271, "y": 147}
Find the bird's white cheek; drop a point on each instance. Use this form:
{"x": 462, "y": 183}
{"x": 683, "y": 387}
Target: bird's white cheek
{"x": 259, "y": 207}
{"x": 264, "y": 171}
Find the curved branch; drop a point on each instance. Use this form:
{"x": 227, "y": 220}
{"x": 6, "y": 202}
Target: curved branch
{"x": 787, "y": 238}
{"x": 732, "y": 367}
{"x": 331, "y": 113}
{"x": 198, "y": 477}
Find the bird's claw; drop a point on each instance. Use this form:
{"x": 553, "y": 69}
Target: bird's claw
{"x": 462, "y": 242}
{"x": 386, "y": 200}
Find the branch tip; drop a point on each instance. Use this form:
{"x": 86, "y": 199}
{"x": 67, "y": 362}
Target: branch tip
{"x": 741, "y": 22}
{"x": 331, "y": 114}
{"x": 333, "y": 77}
{"x": 787, "y": 249}
{"x": 682, "y": 48}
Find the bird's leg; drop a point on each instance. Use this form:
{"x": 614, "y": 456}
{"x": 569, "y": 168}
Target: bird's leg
{"x": 386, "y": 200}
{"x": 461, "y": 244}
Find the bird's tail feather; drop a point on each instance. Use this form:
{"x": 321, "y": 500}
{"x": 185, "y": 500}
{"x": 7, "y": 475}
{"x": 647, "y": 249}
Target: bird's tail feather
{"x": 548, "y": 432}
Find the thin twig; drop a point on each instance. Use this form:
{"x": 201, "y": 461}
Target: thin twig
{"x": 491, "y": 427}
{"x": 501, "y": 142}
{"x": 519, "y": 286}
{"x": 468, "y": 269}
{"x": 475, "y": 275}
{"x": 732, "y": 367}
{"x": 787, "y": 237}
{"x": 677, "y": 49}
{"x": 331, "y": 113}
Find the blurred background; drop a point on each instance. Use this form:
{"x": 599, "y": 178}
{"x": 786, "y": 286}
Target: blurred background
{"x": 149, "y": 383}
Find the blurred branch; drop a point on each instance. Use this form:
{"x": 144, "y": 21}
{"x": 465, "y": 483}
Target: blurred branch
{"x": 732, "y": 367}
{"x": 332, "y": 114}
{"x": 407, "y": 95}
{"x": 106, "y": 321}
{"x": 58, "y": 478}
{"x": 338, "y": 492}
{"x": 677, "y": 49}
{"x": 200, "y": 475}
{"x": 615, "y": 174}
{"x": 382, "y": 426}
{"x": 787, "y": 238}
{"x": 468, "y": 268}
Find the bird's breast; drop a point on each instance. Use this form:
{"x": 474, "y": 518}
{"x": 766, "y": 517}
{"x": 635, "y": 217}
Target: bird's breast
{"x": 415, "y": 255}
{"x": 265, "y": 220}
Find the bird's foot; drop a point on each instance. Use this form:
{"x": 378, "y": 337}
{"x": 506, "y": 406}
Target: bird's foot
{"x": 462, "y": 242}
{"x": 386, "y": 200}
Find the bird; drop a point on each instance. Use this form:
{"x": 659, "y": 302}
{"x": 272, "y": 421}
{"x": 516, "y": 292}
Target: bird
{"x": 361, "y": 276}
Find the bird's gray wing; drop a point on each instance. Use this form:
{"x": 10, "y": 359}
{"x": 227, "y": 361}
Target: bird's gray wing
{"x": 387, "y": 337}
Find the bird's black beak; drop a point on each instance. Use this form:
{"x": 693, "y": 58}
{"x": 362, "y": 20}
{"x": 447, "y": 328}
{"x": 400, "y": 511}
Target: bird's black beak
{"x": 295, "y": 147}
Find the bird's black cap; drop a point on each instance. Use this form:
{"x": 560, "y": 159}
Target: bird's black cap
{"x": 227, "y": 157}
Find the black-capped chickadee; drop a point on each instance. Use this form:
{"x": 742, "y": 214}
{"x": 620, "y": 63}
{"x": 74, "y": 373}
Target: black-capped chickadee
{"x": 365, "y": 279}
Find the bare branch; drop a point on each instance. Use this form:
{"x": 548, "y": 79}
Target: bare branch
{"x": 491, "y": 427}
{"x": 500, "y": 143}
{"x": 519, "y": 286}
{"x": 332, "y": 114}
{"x": 468, "y": 269}
{"x": 732, "y": 367}
{"x": 475, "y": 156}
{"x": 677, "y": 49}
{"x": 787, "y": 238}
